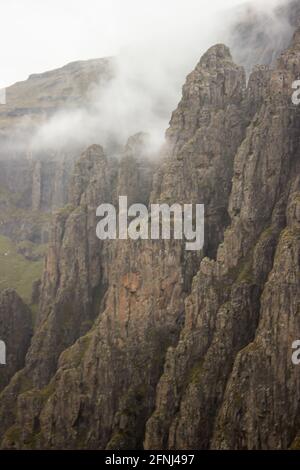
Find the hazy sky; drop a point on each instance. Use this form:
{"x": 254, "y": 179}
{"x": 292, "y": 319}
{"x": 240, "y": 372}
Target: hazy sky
{"x": 36, "y": 35}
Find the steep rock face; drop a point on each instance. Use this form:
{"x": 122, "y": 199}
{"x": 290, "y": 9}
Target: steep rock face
{"x": 204, "y": 134}
{"x": 147, "y": 281}
{"x": 15, "y": 331}
{"x": 264, "y": 387}
{"x": 139, "y": 343}
{"x": 74, "y": 269}
{"x": 50, "y": 181}
{"x": 260, "y": 408}
{"x": 77, "y": 265}
{"x": 34, "y": 177}
{"x": 231, "y": 296}
{"x": 30, "y": 190}
{"x": 144, "y": 303}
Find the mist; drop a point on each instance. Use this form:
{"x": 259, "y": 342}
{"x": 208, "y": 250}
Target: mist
{"x": 162, "y": 45}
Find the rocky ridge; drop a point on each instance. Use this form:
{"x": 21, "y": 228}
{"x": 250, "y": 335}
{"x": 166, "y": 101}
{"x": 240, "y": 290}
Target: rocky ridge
{"x": 15, "y": 331}
{"x": 142, "y": 344}
{"x": 43, "y": 94}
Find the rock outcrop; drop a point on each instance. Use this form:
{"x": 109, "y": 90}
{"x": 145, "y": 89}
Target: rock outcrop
{"x": 143, "y": 344}
{"x": 15, "y": 332}
{"x": 230, "y": 382}
{"x": 145, "y": 283}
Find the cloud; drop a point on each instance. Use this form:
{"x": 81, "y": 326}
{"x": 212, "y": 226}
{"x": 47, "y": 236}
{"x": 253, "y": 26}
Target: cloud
{"x": 158, "y": 44}
{"x": 163, "y": 44}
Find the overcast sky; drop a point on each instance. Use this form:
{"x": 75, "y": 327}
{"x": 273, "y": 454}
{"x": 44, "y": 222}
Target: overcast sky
{"x": 36, "y": 35}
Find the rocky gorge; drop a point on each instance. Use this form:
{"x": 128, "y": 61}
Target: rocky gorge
{"x": 131, "y": 344}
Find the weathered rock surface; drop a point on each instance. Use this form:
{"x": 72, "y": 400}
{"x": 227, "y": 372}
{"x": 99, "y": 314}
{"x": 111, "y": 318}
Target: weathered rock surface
{"x": 30, "y": 191}
{"x": 15, "y": 331}
{"x": 230, "y": 381}
{"x": 140, "y": 343}
{"x": 145, "y": 282}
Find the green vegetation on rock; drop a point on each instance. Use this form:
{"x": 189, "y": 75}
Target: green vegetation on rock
{"x": 16, "y": 271}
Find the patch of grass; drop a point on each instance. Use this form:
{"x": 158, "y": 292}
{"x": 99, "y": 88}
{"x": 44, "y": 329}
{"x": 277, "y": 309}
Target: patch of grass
{"x": 25, "y": 383}
{"x": 118, "y": 440}
{"x": 75, "y": 354}
{"x": 194, "y": 375}
{"x": 16, "y": 271}
{"x": 289, "y": 234}
{"x": 44, "y": 394}
{"x": 23, "y": 224}
{"x": 13, "y": 435}
{"x": 32, "y": 251}
{"x": 296, "y": 443}
{"x": 246, "y": 273}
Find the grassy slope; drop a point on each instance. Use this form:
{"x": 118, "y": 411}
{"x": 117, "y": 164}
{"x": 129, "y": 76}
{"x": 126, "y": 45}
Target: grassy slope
{"x": 16, "y": 271}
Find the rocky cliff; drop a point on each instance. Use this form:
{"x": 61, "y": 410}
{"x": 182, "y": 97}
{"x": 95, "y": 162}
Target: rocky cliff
{"x": 15, "y": 332}
{"x": 37, "y": 179}
{"x": 143, "y": 344}
{"x": 34, "y": 181}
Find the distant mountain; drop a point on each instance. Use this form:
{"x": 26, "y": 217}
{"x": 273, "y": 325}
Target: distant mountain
{"x": 41, "y": 95}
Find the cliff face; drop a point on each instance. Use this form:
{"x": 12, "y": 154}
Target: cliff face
{"x": 15, "y": 331}
{"x": 231, "y": 375}
{"x": 143, "y": 344}
{"x": 37, "y": 180}
{"x": 30, "y": 191}
{"x": 34, "y": 180}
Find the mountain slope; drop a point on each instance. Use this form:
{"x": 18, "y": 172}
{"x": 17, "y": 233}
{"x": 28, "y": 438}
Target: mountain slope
{"x": 41, "y": 95}
{"x": 143, "y": 344}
